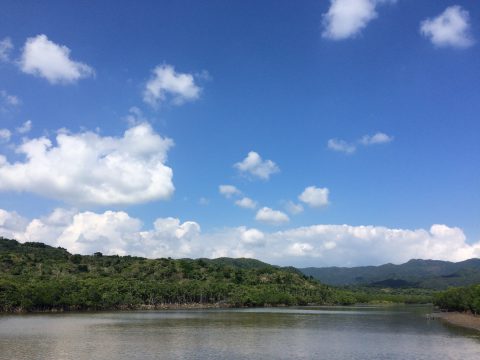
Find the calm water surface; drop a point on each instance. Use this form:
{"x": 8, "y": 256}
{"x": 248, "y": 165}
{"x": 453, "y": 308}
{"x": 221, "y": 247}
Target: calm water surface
{"x": 278, "y": 333}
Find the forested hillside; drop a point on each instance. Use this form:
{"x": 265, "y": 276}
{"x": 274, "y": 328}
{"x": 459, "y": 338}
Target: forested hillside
{"x": 425, "y": 274}
{"x": 37, "y": 277}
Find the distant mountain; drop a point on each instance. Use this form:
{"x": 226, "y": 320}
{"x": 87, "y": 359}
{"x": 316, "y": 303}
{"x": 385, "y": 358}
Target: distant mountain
{"x": 428, "y": 274}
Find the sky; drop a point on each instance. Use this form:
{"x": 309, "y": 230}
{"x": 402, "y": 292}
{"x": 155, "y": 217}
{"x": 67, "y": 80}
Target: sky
{"x": 313, "y": 133}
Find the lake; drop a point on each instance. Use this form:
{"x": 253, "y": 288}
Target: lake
{"x": 360, "y": 332}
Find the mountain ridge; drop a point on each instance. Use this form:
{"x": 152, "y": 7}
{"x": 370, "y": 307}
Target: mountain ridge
{"x": 421, "y": 273}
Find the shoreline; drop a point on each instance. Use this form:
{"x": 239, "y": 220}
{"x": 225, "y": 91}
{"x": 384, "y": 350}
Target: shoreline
{"x": 166, "y": 306}
{"x": 179, "y": 306}
{"x": 465, "y": 320}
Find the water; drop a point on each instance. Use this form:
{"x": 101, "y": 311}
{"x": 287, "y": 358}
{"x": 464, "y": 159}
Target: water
{"x": 271, "y": 333}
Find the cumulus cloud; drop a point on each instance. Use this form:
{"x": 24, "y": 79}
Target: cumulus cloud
{"x": 228, "y": 191}
{"x": 116, "y": 232}
{"x": 44, "y": 58}
{"x": 246, "y": 203}
{"x": 347, "y": 18}
{"x": 366, "y": 140}
{"x": 255, "y": 166}
{"x": 271, "y": 217}
{"x": 347, "y": 245}
{"x": 6, "y": 47}
{"x": 378, "y": 138}
{"x": 314, "y": 197}
{"x": 166, "y": 84}
{"x": 12, "y": 225}
{"x": 341, "y": 146}
{"x": 450, "y": 28}
{"x": 5, "y": 135}
{"x": 86, "y": 168}
{"x": 251, "y": 236}
{"x": 111, "y": 232}
{"x": 25, "y": 127}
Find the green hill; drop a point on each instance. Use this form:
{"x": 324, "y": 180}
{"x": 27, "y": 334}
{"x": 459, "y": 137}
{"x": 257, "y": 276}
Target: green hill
{"x": 425, "y": 274}
{"x": 38, "y": 277}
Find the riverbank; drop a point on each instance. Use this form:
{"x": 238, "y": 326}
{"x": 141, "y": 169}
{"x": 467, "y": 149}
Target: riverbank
{"x": 167, "y": 306}
{"x": 465, "y": 320}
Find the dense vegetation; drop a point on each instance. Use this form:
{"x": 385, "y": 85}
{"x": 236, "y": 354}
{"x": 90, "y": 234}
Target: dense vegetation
{"x": 372, "y": 294}
{"x": 420, "y": 274}
{"x": 460, "y": 299}
{"x": 37, "y": 277}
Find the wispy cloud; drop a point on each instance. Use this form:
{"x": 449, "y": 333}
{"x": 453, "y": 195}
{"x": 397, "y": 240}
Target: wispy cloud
{"x": 377, "y": 138}
{"x": 246, "y": 203}
{"x": 346, "y": 147}
{"x": 5, "y": 135}
{"x": 228, "y": 191}
{"x": 8, "y": 101}
{"x": 25, "y": 127}
{"x": 341, "y": 146}
{"x": 293, "y": 208}
{"x": 6, "y": 46}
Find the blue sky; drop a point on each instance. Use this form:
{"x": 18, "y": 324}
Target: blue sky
{"x": 371, "y": 104}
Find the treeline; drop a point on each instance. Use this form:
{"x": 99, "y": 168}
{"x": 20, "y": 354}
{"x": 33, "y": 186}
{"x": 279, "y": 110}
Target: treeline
{"x": 372, "y": 295}
{"x": 461, "y": 299}
{"x": 37, "y": 277}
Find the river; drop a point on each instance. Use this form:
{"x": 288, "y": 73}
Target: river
{"x": 362, "y": 332}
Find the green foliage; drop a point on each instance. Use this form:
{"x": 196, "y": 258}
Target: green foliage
{"x": 37, "y": 277}
{"x": 421, "y": 274}
{"x": 460, "y": 299}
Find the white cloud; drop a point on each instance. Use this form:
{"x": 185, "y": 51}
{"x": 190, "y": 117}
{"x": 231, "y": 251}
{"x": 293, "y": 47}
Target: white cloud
{"x": 25, "y": 127}
{"x": 135, "y": 116}
{"x": 314, "y": 197}
{"x": 366, "y": 140}
{"x": 12, "y": 225}
{"x": 347, "y": 245}
{"x": 293, "y": 208}
{"x": 167, "y": 83}
{"x": 246, "y": 203}
{"x": 111, "y": 232}
{"x": 254, "y": 165}
{"x": 272, "y": 217}
{"x": 378, "y": 138}
{"x": 42, "y": 57}
{"x": 450, "y": 28}
{"x": 228, "y": 191}
{"x": 86, "y": 168}
{"x": 252, "y": 236}
{"x": 5, "y": 135}
{"x": 299, "y": 249}
{"x": 114, "y": 232}
{"x": 347, "y": 18}
{"x": 341, "y": 146}
{"x": 8, "y": 99}
{"x": 6, "y": 47}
